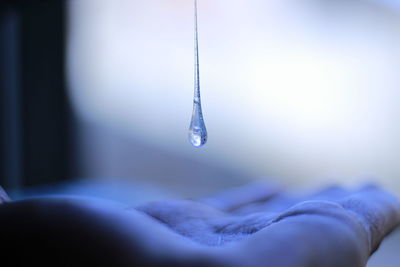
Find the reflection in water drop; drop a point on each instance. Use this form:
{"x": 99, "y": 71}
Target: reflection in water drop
{"x": 197, "y": 129}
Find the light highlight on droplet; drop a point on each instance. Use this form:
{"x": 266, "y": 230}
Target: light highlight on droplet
{"x": 197, "y": 129}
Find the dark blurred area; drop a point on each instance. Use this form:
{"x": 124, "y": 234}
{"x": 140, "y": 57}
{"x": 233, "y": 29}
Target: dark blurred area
{"x": 35, "y": 114}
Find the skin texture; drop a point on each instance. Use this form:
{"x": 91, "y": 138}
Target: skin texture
{"x": 256, "y": 225}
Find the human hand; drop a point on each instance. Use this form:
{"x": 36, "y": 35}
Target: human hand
{"x": 256, "y": 225}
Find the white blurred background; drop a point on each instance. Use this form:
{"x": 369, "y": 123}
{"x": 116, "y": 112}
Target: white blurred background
{"x": 305, "y": 91}
{"x": 301, "y": 92}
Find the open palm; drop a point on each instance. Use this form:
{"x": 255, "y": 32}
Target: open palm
{"x": 256, "y": 225}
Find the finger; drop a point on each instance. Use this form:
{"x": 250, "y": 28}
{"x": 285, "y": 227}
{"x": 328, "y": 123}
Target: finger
{"x": 377, "y": 210}
{"x": 238, "y": 197}
{"x": 3, "y": 196}
{"x": 283, "y": 201}
{"x": 330, "y": 193}
{"x": 313, "y": 233}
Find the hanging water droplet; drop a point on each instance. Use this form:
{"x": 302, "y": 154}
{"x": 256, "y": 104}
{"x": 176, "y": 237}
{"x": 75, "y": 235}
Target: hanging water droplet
{"x": 197, "y": 129}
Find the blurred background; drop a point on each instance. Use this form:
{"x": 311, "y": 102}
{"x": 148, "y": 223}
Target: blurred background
{"x": 96, "y": 97}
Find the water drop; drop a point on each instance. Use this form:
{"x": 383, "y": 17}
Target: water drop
{"x": 197, "y": 129}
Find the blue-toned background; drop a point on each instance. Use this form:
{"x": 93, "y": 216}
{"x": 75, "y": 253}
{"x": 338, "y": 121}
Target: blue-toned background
{"x": 96, "y": 97}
